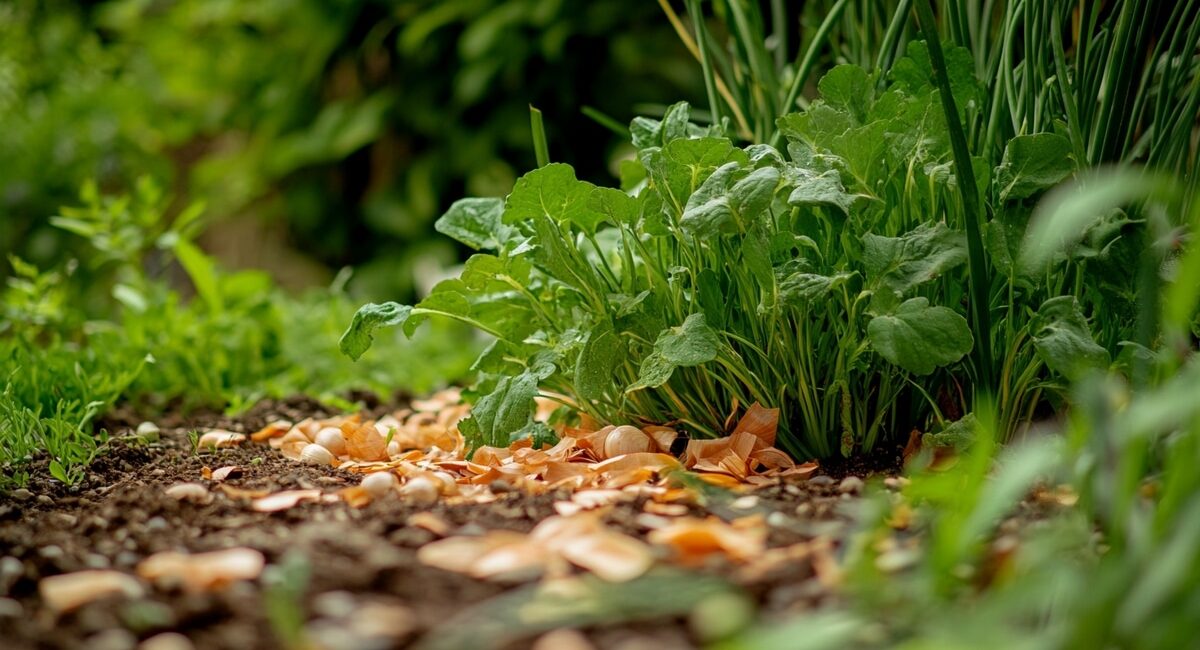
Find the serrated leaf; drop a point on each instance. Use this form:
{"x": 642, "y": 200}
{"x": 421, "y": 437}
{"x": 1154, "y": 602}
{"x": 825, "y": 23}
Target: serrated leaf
{"x": 1063, "y": 339}
{"x": 919, "y": 337}
{"x": 690, "y": 344}
{"x": 801, "y": 288}
{"x": 850, "y": 89}
{"x": 616, "y": 207}
{"x": 817, "y": 188}
{"x": 1033, "y": 163}
{"x": 509, "y": 408}
{"x": 683, "y": 165}
{"x": 370, "y": 317}
{"x": 897, "y": 264}
{"x": 730, "y": 200}
{"x": 552, "y": 191}
{"x": 475, "y": 222}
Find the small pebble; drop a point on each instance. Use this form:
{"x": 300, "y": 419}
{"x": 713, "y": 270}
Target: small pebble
{"x": 851, "y": 485}
{"x": 777, "y": 519}
{"x": 335, "y": 604}
{"x": 804, "y": 509}
{"x": 45, "y": 500}
{"x": 96, "y": 561}
{"x": 10, "y": 571}
{"x": 821, "y": 481}
{"x": 10, "y": 608}
{"x": 22, "y": 494}
{"x": 63, "y": 519}
{"x": 167, "y": 641}
{"x": 51, "y": 552}
{"x": 892, "y": 483}
{"x": 126, "y": 559}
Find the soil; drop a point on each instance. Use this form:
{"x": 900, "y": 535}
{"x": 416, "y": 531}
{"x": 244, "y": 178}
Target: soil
{"x": 358, "y": 560}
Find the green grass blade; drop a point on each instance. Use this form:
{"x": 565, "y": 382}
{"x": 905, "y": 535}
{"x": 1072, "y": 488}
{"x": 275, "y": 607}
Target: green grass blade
{"x": 979, "y": 280}
{"x": 540, "y": 148}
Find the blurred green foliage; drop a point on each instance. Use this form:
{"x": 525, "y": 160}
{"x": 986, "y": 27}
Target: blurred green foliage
{"x": 354, "y": 122}
{"x": 141, "y": 342}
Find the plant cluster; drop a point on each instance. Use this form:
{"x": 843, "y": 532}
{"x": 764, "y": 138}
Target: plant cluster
{"x": 71, "y": 349}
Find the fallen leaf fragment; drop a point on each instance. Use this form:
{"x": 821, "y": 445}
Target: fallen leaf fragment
{"x": 234, "y": 492}
{"x": 356, "y": 496}
{"x": 581, "y": 539}
{"x": 694, "y": 540}
{"x": 69, "y": 591}
{"x": 190, "y": 492}
{"x": 430, "y": 522}
{"x": 284, "y": 500}
{"x": 218, "y": 438}
{"x": 202, "y": 571}
{"x": 363, "y": 441}
{"x": 276, "y": 428}
{"x": 227, "y": 472}
{"x": 485, "y": 556}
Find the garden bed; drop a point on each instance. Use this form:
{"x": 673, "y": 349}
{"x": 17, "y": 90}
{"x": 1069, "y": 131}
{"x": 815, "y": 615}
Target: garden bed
{"x": 365, "y": 575}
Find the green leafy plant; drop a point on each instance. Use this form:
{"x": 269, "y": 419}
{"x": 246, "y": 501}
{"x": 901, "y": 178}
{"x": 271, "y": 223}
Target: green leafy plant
{"x": 727, "y": 276}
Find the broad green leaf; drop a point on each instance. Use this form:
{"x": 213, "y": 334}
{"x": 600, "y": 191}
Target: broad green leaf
{"x": 476, "y": 223}
{"x": 957, "y": 435}
{"x": 801, "y": 288}
{"x": 357, "y": 338}
{"x": 1003, "y": 238}
{"x": 708, "y": 210}
{"x": 920, "y": 338}
{"x": 756, "y": 258}
{"x": 817, "y": 126}
{"x": 817, "y": 188}
{"x": 1063, "y": 340}
{"x": 506, "y": 410}
{"x": 897, "y": 264}
{"x": 616, "y": 207}
{"x": 482, "y": 269}
{"x": 448, "y": 297}
{"x": 690, "y": 344}
{"x": 683, "y": 165}
{"x": 1033, "y": 163}
{"x": 850, "y": 89}
{"x": 752, "y": 195}
{"x": 676, "y": 124}
{"x": 729, "y": 200}
{"x": 602, "y": 353}
{"x": 552, "y": 191}
{"x": 914, "y": 74}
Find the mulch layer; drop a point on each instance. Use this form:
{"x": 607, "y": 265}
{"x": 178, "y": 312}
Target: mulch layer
{"x": 354, "y": 579}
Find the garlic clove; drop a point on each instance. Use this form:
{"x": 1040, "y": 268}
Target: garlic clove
{"x": 379, "y": 484}
{"x": 421, "y": 490}
{"x": 332, "y": 439}
{"x": 626, "y": 440}
{"x": 315, "y": 454}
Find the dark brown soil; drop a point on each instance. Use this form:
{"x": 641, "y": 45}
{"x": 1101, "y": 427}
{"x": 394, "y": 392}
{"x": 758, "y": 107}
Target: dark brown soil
{"x": 357, "y": 559}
